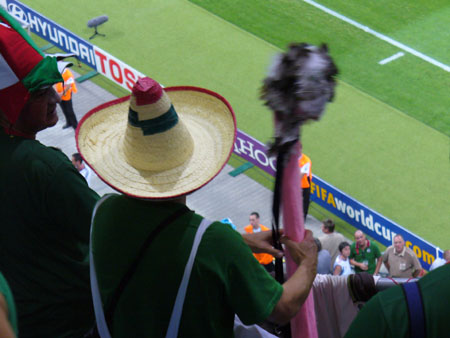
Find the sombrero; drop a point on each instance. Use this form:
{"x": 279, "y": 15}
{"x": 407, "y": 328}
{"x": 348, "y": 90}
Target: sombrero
{"x": 158, "y": 143}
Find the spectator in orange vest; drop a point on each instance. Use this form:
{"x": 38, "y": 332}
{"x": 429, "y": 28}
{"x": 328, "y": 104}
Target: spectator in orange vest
{"x": 264, "y": 259}
{"x": 65, "y": 91}
{"x": 304, "y": 164}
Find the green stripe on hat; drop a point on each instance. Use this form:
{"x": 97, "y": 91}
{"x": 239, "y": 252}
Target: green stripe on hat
{"x": 154, "y": 126}
{"x": 45, "y": 73}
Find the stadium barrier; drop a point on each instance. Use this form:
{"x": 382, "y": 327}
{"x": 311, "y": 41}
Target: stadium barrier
{"x": 324, "y": 194}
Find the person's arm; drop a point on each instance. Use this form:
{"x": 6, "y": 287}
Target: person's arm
{"x": 379, "y": 261}
{"x": 71, "y": 201}
{"x": 261, "y": 242}
{"x": 362, "y": 266}
{"x": 337, "y": 270}
{"x": 6, "y": 330}
{"x": 416, "y": 266}
{"x": 377, "y": 269}
{"x": 296, "y": 289}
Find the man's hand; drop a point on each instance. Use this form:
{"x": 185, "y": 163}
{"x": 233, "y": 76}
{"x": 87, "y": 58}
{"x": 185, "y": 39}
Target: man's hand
{"x": 306, "y": 250}
{"x": 262, "y": 242}
{"x": 363, "y": 266}
{"x": 298, "y": 286}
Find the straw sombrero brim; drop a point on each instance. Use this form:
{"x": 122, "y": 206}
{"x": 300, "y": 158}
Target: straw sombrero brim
{"x": 207, "y": 116}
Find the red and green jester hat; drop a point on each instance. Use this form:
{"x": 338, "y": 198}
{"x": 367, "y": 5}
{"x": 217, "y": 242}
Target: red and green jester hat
{"x": 23, "y": 67}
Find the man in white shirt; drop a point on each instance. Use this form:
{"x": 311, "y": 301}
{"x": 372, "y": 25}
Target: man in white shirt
{"x": 438, "y": 262}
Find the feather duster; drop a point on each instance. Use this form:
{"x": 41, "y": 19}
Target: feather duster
{"x": 299, "y": 84}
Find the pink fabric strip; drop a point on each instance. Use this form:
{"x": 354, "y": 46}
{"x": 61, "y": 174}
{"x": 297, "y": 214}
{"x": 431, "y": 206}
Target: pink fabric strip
{"x": 304, "y": 323}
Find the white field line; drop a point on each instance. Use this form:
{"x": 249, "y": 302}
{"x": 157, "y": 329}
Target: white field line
{"x": 391, "y": 58}
{"x": 380, "y": 36}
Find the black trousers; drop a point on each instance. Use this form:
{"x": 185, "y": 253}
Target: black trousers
{"x": 306, "y": 192}
{"x": 68, "y": 112}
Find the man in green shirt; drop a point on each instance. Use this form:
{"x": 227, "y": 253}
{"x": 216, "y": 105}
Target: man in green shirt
{"x": 364, "y": 254}
{"x": 45, "y": 204}
{"x": 165, "y": 144}
{"x": 386, "y": 314}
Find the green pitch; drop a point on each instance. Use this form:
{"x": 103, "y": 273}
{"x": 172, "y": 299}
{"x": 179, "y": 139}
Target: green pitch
{"x": 384, "y": 140}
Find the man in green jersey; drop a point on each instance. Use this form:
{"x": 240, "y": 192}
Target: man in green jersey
{"x": 156, "y": 148}
{"x": 364, "y": 254}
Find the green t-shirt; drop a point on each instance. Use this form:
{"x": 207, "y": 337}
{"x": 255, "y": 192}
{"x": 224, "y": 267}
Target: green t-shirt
{"x": 6, "y": 292}
{"x": 370, "y": 254}
{"x": 226, "y": 278}
{"x": 46, "y": 206}
{"x": 386, "y": 314}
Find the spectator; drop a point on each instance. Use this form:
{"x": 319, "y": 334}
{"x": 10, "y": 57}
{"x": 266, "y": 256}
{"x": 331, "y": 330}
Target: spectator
{"x": 8, "y": 316}
{"x": 399, "y": 260}
{"x": 45, "y": 204}
{"x": 342, "y": 264}
{"x": 225, "y": 278}
{"x": 438, "y": 262}
{"x": 323, "y": 259}
{"x": 65, "y": 90}
{"x": 387, "y": 314}
{"x": 331, "y": 239}
{"x": 264, "y": 259}
{"x": 364, "y": 254}
{"x": 83, "y": 169}
{"x": 304, "y": 162}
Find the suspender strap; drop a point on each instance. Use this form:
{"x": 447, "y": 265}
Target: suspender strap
{"x": 131, "y": 270}
{"x": 415, "y": 309}
{"x": 104, "y": 319}
{"x": 174, "y": 324}
{"x": 102, "y": 327}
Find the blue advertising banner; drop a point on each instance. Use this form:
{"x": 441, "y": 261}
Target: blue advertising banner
{"x": 52, "y": 32}
{"x": 369, "y": 221}
{"x": 342, "y": 205}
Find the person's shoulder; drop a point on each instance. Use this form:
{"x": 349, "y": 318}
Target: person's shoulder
{"x": 438, "y": 262}
{"x": 341, "y": 236}
{"x": 248, "y": 229}
{"x": 221, "y": 238}
{"x": 264, "y": 228}
{"x": 440, "y": 274}
{"x": 335, "y": 236}
{"x": 325, "y": 253}
{"x": 412, "y": 256}
{"x": 374, "y": 245}
{"x": 409, "y": 251}
{"x": 67, "y": 72}
{"x": 389, "y": 250}
{"x": 35, "y": 153}
{"x": 222, "y": 229}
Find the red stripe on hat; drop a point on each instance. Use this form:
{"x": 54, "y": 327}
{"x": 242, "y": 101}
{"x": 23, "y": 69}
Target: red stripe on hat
{"x": 12, "y": 101}
{"x": 147, "y": 91}
{"x": 20, "y": 56}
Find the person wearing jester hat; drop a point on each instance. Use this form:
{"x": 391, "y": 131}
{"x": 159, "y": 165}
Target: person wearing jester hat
{"x": 158, "y": 268}
{"x": 45, "y": 204}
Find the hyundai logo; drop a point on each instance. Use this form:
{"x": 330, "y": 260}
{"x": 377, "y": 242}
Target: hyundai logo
{"x": 17, "y": 12}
